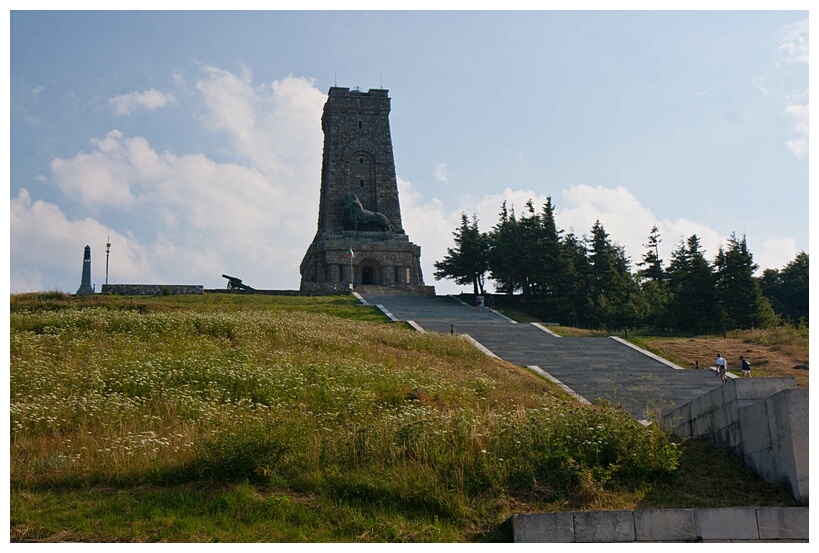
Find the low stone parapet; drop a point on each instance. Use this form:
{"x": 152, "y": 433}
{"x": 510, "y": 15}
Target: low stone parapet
{"x": 152, "y": 289}
{"x": 746, "y": 524}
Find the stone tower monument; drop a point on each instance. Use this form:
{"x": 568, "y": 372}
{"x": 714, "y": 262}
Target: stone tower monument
{"x": 360, "y": 237}
{"x": 85, "y": 283}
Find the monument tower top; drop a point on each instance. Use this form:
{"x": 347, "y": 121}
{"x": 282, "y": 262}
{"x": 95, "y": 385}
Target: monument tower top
{"x": 358, "y": 158}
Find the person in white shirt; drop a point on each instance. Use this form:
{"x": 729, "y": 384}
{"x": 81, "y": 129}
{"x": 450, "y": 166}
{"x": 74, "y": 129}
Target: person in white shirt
{"x": 722, "y": 368}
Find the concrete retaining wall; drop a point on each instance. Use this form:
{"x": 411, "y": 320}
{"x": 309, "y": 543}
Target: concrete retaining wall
{"x": 763, "y": 421}
{"x": 151, "y": 289}
{"x": 768, "y": 524}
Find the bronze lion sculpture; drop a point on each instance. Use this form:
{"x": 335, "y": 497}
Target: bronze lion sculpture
{"x": 355, "y": 216}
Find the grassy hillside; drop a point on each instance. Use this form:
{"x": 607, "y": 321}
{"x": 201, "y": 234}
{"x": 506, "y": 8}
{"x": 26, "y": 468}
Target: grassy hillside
{"x": 253, "y": 418}
{"x": 781, "y": 351}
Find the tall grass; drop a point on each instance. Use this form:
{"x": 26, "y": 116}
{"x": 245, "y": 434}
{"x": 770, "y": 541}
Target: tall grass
{"x": 359, "y": 413}
{"x": 783, "y": 337}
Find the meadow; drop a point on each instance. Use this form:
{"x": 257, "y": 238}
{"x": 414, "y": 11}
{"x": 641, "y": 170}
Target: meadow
{"x": 254, "y": 418}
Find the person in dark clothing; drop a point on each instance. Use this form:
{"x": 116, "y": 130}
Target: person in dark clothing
{"x": 746, "y": 367}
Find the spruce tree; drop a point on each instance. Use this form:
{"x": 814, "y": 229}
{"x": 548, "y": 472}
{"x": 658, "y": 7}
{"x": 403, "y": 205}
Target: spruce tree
{"x": 692, "y": 303}
{"x": 653, "y": 287}
{"x": 652, "y": 265}
{"x": 550, "y": 275}
{"x": 529, "y": 244}
{"x": 787, "y": 289}
{"x": 574, "y": 282}
{"x": 738, "y": 293}
{"x": 610, "y": 283}
{"x": 506, "y": 253}
{"x": 467, "y": 262}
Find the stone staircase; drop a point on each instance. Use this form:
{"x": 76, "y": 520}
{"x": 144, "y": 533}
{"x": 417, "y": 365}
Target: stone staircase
{"x": 597, "y": 369}
{"x": 648, "y": 387}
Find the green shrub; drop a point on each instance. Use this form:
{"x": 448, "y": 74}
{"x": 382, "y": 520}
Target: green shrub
{"x": 245, "y": 452}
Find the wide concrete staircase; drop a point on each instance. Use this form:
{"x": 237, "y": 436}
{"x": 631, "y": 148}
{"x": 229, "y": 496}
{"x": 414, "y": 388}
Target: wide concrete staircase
{"x": 597, "y": 369}
{"x": 604, "y": 369}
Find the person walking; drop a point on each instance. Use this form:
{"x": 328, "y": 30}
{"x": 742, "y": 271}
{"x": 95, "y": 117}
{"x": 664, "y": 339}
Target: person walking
{"x": 722, "y": 368}
{"x": 746, "y": 367}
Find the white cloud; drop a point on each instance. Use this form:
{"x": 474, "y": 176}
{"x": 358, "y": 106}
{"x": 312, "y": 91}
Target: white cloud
{"x": 276, "y": 128}
{"x": 679, "y": 230}
{"x": 759, "y": 83}
{"x": 39, "y": 226}
{"x": 797, "y": 113}
{"x": 97, "y": 178}
{"x": 428, "y": 225}
{"x": 186, "y": 218}
{"x": 230, "y": 100}
{"x": 441, "y": 173}
{"x": 794, "y": 48}
{"x": 189, "y": 218}
{"x": 775, "y": 253}
{"x": 148, "y": 100}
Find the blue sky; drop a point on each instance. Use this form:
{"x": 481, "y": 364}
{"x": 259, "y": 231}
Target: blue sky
{"x": 193, "y": 139}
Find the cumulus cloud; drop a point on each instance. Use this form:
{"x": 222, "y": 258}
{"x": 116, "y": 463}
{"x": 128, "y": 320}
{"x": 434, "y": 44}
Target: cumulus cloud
{"x": 794, "y": 47}
{"x": 98, "y": 177}
{"x": 775, "y": 252}
{"x": 275, "y": 127}
{"x": 441, "y": 173}
{"x": 428, "y": 224}
{"x": 797, "y": 113}
{"x": 186, "y": 216}
{"x": 628, "y": 222}
{"x": 39, "y": 226}
{"x": 148, "y": 100}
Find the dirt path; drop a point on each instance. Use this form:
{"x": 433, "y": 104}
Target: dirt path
{"x": 764, "y": 360}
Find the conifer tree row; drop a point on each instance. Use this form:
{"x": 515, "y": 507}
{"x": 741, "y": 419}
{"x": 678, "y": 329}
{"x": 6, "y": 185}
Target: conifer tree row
{"x": 588, "y": 281}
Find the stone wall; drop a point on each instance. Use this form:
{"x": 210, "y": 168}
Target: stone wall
{"x": 152, "y": 289}
{"x": 762, "y": 421}
{"x": 379, "y": 260}
{"x": 744, "y": 524}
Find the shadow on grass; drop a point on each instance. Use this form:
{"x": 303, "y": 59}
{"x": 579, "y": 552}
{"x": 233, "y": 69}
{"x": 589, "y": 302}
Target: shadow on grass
{"x": 708, "y": 477}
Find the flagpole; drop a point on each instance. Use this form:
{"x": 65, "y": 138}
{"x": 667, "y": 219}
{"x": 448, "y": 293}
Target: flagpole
{"x": 352, "y": 275}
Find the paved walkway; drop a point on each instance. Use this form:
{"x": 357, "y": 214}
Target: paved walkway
{"x": 593, "y": 368}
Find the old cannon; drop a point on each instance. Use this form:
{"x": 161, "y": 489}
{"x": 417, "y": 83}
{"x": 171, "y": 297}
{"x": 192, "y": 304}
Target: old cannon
{"x": 236, "y": 284}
